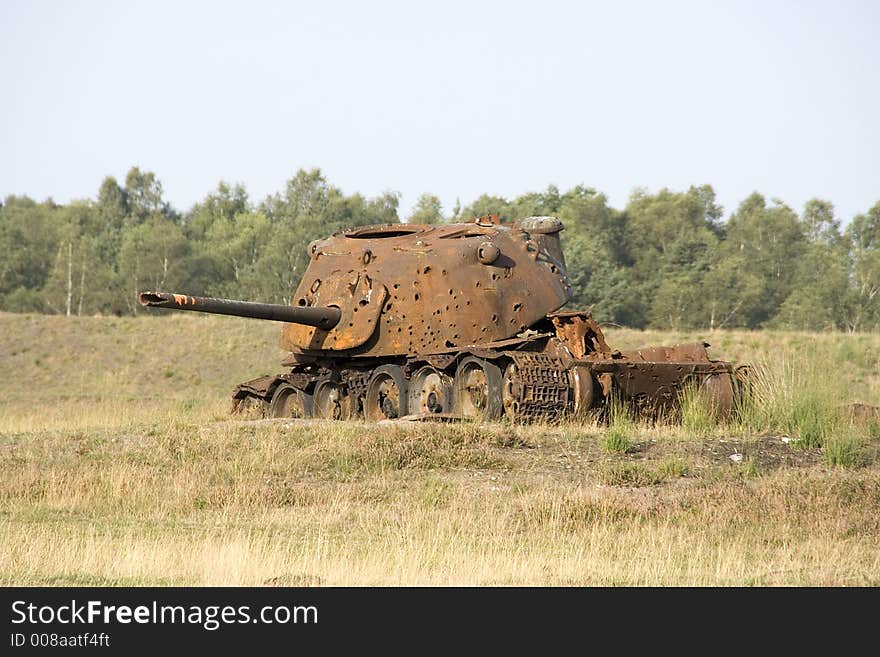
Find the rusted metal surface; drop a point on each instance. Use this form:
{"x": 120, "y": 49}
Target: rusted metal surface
{"x": 657, "y": 386}
{"x": 321, "y": 317}
{"x": 861, "y": 413}
{"x": 535, "y": 386}
{"x": 258, "y": 387}
{"x": 359, "y": 300}
{"x": 580, "y": 333}
{"x": 680, "y": 353}
{"x": 454, "y": 320}
{"x": 447, "y": 286}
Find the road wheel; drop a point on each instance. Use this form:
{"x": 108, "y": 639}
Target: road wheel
{"x": 430, "y": 391}
{"x": 718, "y": 389}
{"x": 331, "y": 401}
{"x": 478, "y": 389}
{"x": 583, "y": 388}
{"x": 288, "y": 401}
{"x": 386, "y": 397}
{"x": 249, "y": 408}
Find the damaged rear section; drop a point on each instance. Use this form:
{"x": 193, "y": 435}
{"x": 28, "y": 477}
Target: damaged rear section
{"x": 653, "y": 380}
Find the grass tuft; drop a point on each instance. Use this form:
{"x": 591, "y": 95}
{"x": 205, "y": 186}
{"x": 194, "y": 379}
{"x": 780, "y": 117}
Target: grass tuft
{"x": 697, "y": 415}
{"x": 628, "y": 474}
{"x": 790, "y": 393}
{"x": 844, "y": 451}
{"x": 616, "y": 442}
{"x": 748, "y": 469}
{"x": 621, "y": 425}
{"x": 674, "y": 468}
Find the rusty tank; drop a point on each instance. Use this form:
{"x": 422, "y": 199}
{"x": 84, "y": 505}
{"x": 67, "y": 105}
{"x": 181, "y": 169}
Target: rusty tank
{"x": 452, "y": 320}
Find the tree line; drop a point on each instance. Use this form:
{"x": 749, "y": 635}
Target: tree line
{"x": 667, "y": 260}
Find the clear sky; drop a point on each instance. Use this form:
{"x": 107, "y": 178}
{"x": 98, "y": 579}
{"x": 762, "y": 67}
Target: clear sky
{"x": 452, "y": 98}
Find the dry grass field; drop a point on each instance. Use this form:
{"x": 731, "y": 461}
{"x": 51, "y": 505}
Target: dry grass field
{"x": 119, "y": 465}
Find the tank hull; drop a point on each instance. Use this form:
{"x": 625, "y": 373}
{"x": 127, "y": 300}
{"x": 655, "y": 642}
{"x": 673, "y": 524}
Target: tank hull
{"x": 565, "y": 370}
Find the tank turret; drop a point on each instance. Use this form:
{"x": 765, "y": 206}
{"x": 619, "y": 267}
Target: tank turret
{"x": 406, "y": 289}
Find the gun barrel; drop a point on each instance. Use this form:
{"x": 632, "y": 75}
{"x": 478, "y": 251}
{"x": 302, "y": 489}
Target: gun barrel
{"x": 323, "y": 318}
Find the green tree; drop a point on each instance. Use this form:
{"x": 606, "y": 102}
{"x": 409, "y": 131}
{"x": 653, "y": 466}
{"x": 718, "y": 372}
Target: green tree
{"x": 672, "y": 237}
{"x": 819, "y": 300}
{"x": 863, "y": 240}
{"x": 766, "y": 244}
{"x": 310, "y": 209}
{"x": 820, "y": 293}
{"x": 537, "y": 204}
{"x": 112, "y": 203}
{"x": 223, "y": 203}
{"x": 678, "y": 299}
{"x": 486, "y": 204}
{"x": 820, "y": 224}
{"x": 153, "y": 257}
{"x": 143, "y": 194}
{"x": 28, "y": 242}
{"x": 428, "y": 210}
{"x": 77, "y": 262}
{"x": 729, "y": 286}
{"x": 597, "y": 257}
{"x": 238, "y": 243}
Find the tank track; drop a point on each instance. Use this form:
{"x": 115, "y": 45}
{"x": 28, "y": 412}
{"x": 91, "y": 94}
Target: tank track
{"x": 357, "y": 381}
{"x": 538, "y": 386}
{"x": 525, "y": 386}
